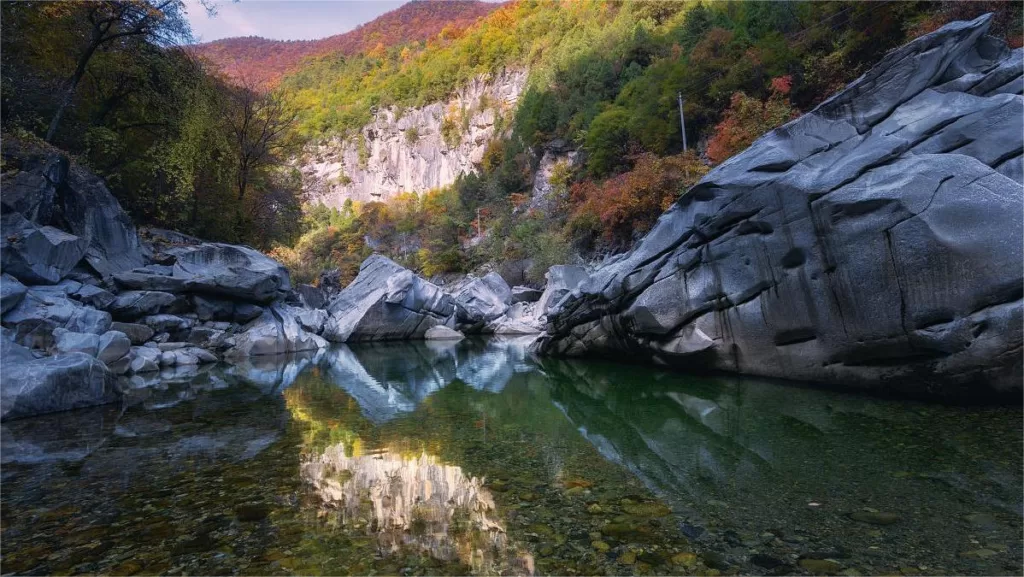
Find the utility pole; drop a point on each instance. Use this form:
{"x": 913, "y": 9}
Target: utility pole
{"x": 682, "y": 119}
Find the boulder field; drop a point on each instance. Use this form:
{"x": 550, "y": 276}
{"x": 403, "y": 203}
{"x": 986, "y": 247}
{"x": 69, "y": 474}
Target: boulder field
{"x": 91, "y": 307}
{"x": 874, "y": 242}
{"x": 88, "y": 303}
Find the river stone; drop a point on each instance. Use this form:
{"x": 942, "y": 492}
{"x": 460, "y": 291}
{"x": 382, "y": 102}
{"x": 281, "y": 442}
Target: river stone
{"x": 873, "y": 242}
{"x": 525, "y": 294}
{"x": 166, "y": 323}
{"x": 277, "y": 331}
{"x": 479, "y": 300}
{"x": 11, "y": 292}
{"x": 386, "y": 302}
{"x": 65, "y": 341}
{"x": 144, "y": 359}
{"x": 215, "y": 269}
{"x": 131, "y": 305}
{"x": 94, "y": 296}
{"x": 443, "y": 333}
{"x": 37, "y": 254}
{"x": 34, "y": 386}
{"x": 41, "y": 311}
{"x": 136, "y": 333}
{"x": 112, "y": 346}
{"x": 206, "y": 337}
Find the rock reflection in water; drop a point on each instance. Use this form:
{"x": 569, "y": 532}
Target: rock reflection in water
{"x": 389, "y": 379}
{"x": 414, "y": 502}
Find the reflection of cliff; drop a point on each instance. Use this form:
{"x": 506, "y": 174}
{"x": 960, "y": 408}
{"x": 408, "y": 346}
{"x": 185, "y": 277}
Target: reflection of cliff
{"x": 414, "y": 502}
{"x": 388, "y": 379}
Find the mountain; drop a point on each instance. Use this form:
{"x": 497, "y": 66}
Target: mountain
{"x": 264, "y": 61}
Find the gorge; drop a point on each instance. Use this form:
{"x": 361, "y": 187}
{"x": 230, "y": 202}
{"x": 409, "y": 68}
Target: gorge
{"x": 452, "y": 294}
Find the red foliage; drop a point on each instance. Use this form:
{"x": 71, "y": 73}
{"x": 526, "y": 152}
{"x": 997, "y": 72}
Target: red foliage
{"x": 263, "y": 62}
{"x": 631, "y": 202}
{"x": 748, "y": 118}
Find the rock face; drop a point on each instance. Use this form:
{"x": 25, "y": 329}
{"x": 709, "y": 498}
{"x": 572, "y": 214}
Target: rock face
{"x": 873, "y": 242}
{"x": 387, "y": 302}
{"x": 84, "y": 264}
{"x": 408, "y": 153}
{"x": 479, "y": 300}
{"x": 66, "y": 381}
{"x": 277, "y": 331}
{"x": 48, "y": 191}
{"x": 213, "y": 269}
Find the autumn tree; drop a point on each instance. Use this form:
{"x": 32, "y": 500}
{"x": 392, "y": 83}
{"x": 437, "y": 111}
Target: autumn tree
{"x": 748, "y": 118}
{"x": 160, "y": 22}
{"x": 260, "y": 126}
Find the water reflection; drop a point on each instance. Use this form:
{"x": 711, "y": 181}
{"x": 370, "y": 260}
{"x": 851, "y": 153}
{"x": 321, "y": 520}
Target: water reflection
{"x": 389, "y": 379}
{"x": 414, "y": 501}
{"x": 442, "y": 457}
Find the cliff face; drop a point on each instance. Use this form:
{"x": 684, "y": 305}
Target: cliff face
{"x": 873, "y": 242}
{"x": 417, "y": 150}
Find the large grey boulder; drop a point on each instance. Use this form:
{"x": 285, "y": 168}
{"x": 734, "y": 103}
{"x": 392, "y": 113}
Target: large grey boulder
{"x": 387, "y": 302}
{"x": 37, "y": 254}
{"x": 562, "y": 280}
{"x": 873, "y": 242}
{"x": 215, "y": 269}
{"x": 277, "y": 331}
{"x": 131, "y": 305}
{"x": 50, "y": 191}
{"x": 135, "y": 332}
{"x": 65, "y": 341}
{"x": 478, "y": 300}
{"x": 44, "y": 309}
{"x": 32, "y": 386}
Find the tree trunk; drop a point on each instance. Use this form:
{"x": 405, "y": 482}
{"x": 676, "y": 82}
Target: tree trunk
{"x": 69, "y": 94}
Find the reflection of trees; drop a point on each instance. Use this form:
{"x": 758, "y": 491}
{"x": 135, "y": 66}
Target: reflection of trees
{"x": 414, "y": 502}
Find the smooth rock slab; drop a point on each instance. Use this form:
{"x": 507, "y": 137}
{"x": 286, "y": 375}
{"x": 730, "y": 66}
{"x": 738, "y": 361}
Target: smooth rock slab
{"x": 277, "y": 331}
{"x": 873, "y": 242}
{"x": 37, "y": 254}
{"x": 37, "y": 386}
{"x": 132, "y": 305}
{"x": 41, "y": 311}
{"x": 214, "y": 269}
{"x": 112, "y": 346}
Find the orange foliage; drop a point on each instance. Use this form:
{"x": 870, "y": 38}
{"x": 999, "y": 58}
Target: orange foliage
{"x": 263, "y": 62}
{"x": 748, "y": 118}
{"x": 630, "y": 203}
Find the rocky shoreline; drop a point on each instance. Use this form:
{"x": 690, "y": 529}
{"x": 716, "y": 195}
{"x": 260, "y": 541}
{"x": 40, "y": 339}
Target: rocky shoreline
{"x": 92, "y": 308}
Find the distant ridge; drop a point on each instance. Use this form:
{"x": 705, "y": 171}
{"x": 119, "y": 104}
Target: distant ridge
{"x": 264, "y": 62}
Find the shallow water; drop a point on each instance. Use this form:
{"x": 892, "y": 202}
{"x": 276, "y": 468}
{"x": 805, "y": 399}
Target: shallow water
{"x": 442, "y": 458}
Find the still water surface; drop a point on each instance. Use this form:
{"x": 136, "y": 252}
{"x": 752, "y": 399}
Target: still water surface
{"x": 474, "y": 458}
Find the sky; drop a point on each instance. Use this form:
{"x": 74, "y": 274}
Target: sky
{"x": 284, "y": 19}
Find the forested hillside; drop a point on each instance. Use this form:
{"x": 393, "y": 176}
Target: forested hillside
{"x": 604, "y": 80}
{"x": 263, "y": 62}
{"x": 184, "y": 147}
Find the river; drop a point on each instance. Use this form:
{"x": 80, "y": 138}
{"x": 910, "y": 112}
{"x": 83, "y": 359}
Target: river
{"x": 475, "y": 458}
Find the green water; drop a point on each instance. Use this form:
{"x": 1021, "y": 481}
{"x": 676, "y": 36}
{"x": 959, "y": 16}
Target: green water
{"x": 473, "y": 458}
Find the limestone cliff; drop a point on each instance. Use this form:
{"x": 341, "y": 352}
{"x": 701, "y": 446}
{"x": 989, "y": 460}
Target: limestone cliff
{"x": 416, "y": 149}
